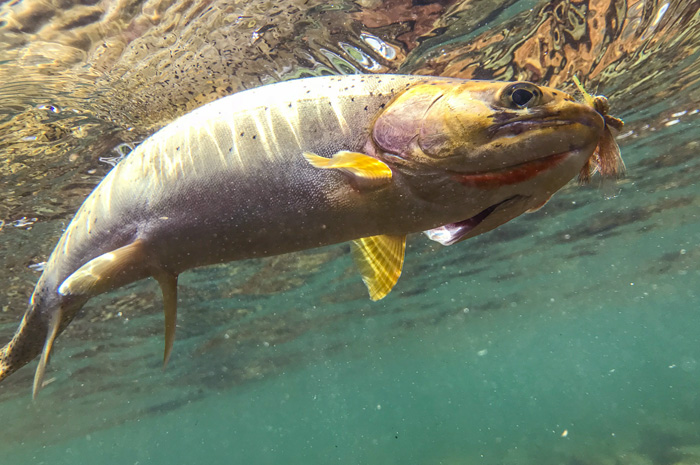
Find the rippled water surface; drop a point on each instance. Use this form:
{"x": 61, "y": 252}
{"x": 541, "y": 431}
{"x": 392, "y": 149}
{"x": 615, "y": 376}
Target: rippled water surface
{"x": 568, "y": 336}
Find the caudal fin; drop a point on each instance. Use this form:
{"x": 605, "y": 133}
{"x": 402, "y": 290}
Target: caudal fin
{"x": 6, "y": 368}
{"x": 53, "y": 306}
{"x": 24, "y": 346}
{"x": 40, "y": 325}
{"x": 52, "y": 332}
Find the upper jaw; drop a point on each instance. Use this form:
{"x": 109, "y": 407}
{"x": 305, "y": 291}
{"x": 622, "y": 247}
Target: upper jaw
{"x": 519, "y": 126}
{"x": 508, "y": 124}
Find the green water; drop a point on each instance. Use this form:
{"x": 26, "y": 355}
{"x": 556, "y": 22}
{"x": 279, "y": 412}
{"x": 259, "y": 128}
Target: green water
{"x": 567, "y": 336}
{"x": 490, "y": 388}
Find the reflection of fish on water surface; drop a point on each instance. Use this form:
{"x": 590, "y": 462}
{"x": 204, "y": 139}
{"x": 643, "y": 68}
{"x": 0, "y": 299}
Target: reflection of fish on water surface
{"x": 313, "y": 162}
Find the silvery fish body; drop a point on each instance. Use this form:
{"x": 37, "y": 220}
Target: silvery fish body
{"x": 308, "y": 163}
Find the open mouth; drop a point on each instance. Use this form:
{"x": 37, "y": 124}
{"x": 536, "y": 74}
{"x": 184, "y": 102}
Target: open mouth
{"x": 450, "y": 233}
{"x": 512, "y": 174}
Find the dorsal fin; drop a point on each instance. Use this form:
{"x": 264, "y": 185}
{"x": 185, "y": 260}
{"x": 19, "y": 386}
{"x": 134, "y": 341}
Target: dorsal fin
{"x": 380, "y": 259}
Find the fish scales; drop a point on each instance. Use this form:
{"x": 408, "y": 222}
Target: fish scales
{"x": 308, "y": 163}
{"x": 147, "y": 183}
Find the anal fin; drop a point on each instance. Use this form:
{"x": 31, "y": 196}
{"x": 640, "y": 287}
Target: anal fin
{"x": 106, "y": 272}
{"x": 115, "y": 269}
{"x": 380, "y": 259}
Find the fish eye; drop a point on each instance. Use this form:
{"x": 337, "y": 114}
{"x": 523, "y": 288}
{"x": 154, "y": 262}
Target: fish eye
{"x": 521, "y": 95}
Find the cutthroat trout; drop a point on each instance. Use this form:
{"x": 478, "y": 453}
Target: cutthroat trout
{"x": 313, "y": 162}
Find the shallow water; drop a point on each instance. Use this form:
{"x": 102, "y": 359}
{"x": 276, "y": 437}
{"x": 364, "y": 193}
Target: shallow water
{"x": 570, "y": 335}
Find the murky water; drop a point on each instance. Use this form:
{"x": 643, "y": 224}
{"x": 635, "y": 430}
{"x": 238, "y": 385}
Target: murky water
{"x": 571, "y": 335}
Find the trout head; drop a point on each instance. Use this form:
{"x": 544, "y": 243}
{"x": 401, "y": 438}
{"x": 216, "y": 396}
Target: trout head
{"x": 487, "y": 151}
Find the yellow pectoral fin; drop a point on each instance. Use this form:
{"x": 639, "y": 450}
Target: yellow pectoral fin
{"x": 380, "y": 259}
{"x": 359, "y": 166}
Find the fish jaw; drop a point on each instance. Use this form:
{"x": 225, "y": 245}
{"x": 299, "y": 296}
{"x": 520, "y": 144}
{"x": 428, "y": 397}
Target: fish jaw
{"x": 469, "y": 128}
{"x": 494, "y": 198}
{"x": 512, "y": 174}
{"x": 469, "y": 145}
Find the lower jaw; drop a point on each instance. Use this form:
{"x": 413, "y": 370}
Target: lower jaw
{"x": 512, "y": 175}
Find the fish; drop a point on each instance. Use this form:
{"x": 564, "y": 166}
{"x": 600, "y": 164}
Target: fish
{"x": 313, "y": 162}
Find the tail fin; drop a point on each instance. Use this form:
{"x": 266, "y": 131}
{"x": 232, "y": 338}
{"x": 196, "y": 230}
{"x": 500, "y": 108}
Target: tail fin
{"x": 52, "y": 332}
{"x": 42, "y": 322}
{"x": 25, "y": 345}
{"x": 6, "y": 368}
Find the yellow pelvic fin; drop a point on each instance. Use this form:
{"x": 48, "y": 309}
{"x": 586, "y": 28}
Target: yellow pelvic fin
{"x": 357, "y": 165}
{"x": 168, "y": 286}
{"x": 52, "y": 332}
{"x": 380, "y": 259}
{"x": 106, "y": 272}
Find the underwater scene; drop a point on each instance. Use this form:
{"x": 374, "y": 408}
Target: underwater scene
{"x": 567, "y": 336}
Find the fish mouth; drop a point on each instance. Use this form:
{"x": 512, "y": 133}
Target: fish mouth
{"x": 451, "y": 233}
{"x": 517, "y": 127}
{"x": 512, "y": 174}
